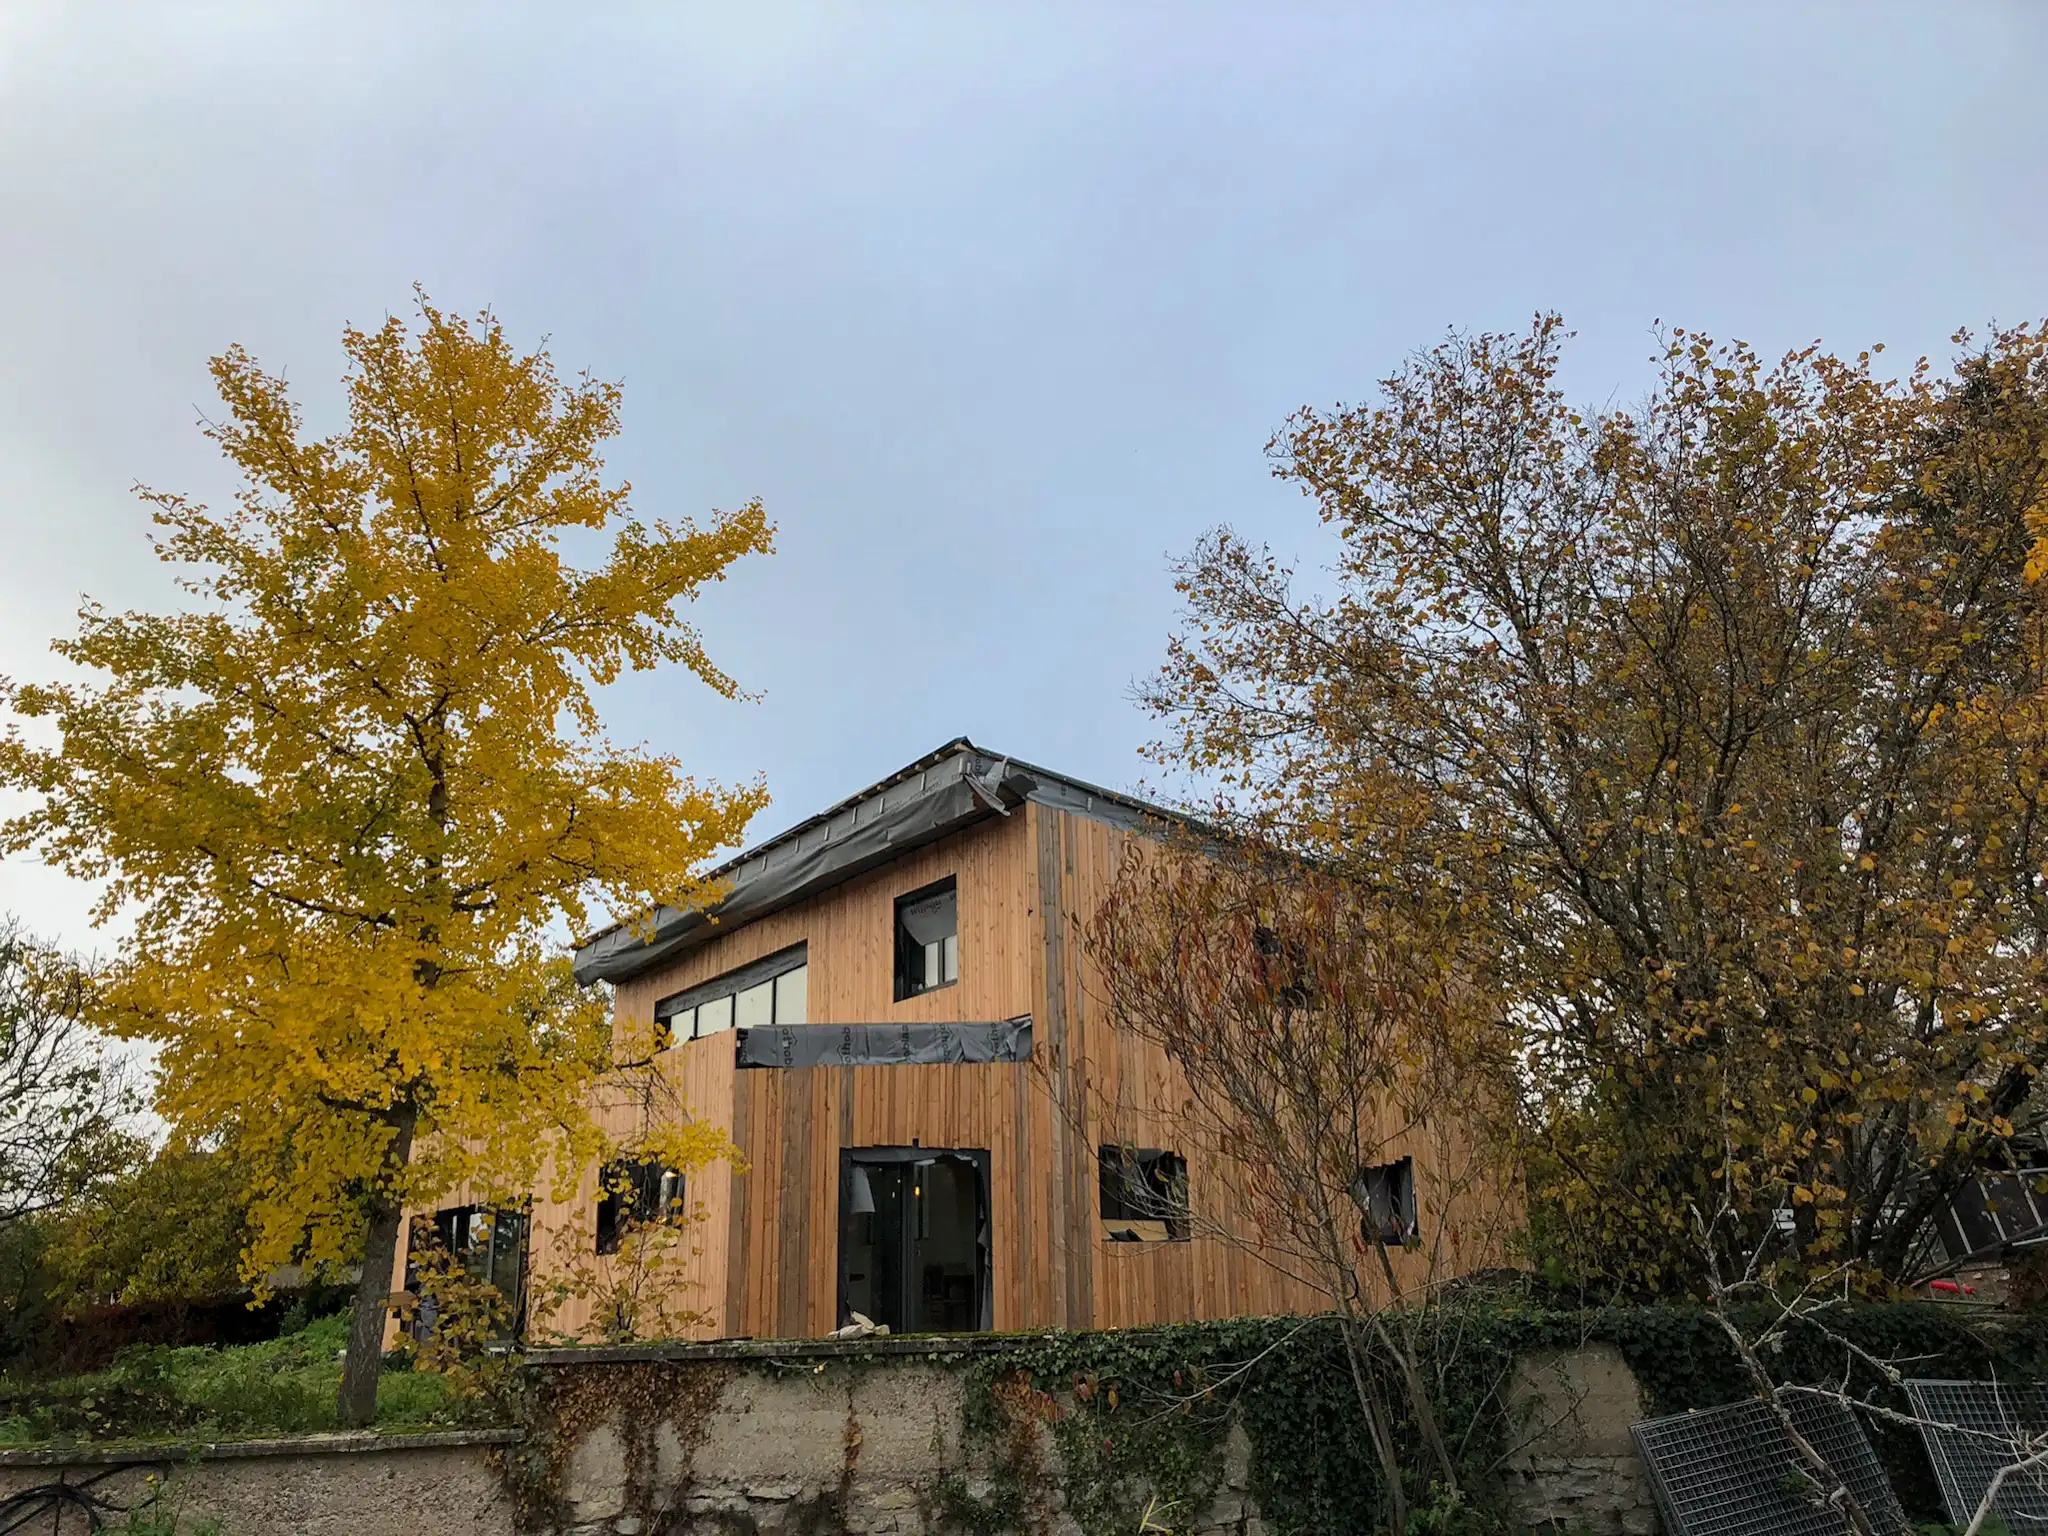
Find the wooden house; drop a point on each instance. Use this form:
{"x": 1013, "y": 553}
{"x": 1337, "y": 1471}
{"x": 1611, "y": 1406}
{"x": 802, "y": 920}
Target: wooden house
{"x": 893, "y": 1014}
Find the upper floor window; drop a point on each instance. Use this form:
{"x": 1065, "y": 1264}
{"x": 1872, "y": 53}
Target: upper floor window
{"x": 1284, "y": 969}
{"x": 927, "y": 939}
{"x": 775, "y": 990}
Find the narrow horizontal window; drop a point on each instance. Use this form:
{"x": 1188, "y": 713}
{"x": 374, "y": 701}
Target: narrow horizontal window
{"x": 754, "y": 995}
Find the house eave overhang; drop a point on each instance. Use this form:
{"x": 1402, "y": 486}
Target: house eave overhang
{"x": 944, "y": 792}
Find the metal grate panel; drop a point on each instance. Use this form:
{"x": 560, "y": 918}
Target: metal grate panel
{"x": 1971, "y": 1429}
{"x": 1732, "y": 1471}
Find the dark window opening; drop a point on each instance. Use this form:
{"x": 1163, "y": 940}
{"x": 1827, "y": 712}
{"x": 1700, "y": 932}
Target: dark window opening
{"x": 1284, "y": 969}
{"x": 927, "y": 939}
{"x": 633, "y": 1191}
{"x": 1386, "y": 1202}
{"x": 1144, "y": 1194}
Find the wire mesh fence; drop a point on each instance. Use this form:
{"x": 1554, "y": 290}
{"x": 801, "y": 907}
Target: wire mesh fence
{"x": 1733, "y": 1471}
{"x": 1971, "y": 1430}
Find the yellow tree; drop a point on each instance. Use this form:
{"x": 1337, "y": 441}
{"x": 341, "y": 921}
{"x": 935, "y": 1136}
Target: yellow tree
{"x": 355, "y": 792}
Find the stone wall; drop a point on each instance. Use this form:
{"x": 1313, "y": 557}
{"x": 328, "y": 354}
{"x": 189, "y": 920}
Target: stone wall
{"x": 788, "y": 1440}
{"x": 319, "y": 1485}
{"x": 1575, "y": 1467}
{"x": 799, "y": 1447}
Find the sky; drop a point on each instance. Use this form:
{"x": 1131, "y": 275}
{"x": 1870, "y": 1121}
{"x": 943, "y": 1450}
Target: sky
{"x": 994, "y": 305}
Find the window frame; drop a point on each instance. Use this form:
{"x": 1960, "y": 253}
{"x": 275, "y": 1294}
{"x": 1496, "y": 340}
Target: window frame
{"x": 721, "y": 994}
{"x": 622, "y": 1218}
{"x": 1124, "y": 1177}
{"x": 901, "y": 945}
{"x": 500, "y": 1258}
{"x": 1404, "y": 1226}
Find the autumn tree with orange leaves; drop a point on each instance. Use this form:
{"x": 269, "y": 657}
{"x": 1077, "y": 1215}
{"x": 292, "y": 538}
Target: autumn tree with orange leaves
{"x": 356, "y": 791}
{"x": 1321, "y": 1027}
{"x": 1719, "y": 723}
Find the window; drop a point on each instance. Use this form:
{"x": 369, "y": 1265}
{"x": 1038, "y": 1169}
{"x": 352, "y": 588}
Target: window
{"x": 489, "y": 1244}
{"x": 792, "y": 1003}
{"x": 769, "y": 991}
{"x": 1386, "y": 1202}
{"x": 1144, "y": 1194}
{"x": 927, "y": 939}
{"x": 714, "y": 1017}
{"x": 1284, "y": 969}
{"x": 914, "y": 1238}
{"x": 755, "y": 1007}
{"x": 633, "y": 1191}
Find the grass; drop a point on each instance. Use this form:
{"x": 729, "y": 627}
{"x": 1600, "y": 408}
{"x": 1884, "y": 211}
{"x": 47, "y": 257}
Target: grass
{"x": 285, "y": 1386}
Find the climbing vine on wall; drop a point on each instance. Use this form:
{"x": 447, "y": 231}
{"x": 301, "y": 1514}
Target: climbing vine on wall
{"x": 1139, "y": 1418}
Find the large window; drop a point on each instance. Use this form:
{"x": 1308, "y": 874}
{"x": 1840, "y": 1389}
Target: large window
{"x": 1144, "y": 1194}
{"x": 771, "y": 991}
{"x": 927, "y": 939}
{"x": 634, "y": 1192}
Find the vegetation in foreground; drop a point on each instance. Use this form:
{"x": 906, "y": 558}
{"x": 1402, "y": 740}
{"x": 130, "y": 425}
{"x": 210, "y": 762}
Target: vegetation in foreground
{"x": 284, "y": 1386}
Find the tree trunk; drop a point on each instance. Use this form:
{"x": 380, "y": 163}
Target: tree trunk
{"x": 357, "y": 1404}
{"x": 1839, "y": 1496}
{"x": 1405, "y": 1358}
{"x": 1379, "y": 1424}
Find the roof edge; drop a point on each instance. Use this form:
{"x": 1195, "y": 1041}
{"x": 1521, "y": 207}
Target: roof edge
{"x": 872, "y": 827}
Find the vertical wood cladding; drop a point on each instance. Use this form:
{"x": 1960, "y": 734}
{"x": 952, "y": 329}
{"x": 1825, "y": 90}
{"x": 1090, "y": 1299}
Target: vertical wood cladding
{"x": 766, "y": 1259}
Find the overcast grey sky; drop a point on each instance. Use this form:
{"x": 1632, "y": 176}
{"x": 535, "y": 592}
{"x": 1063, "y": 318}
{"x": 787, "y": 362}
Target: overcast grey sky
{"x": 994, "y": 305}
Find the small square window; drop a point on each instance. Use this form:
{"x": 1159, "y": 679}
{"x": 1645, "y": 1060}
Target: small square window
{"x": 1144, "y": 1194}
{"x": 1385, "y": 1195}
{"x": 632, "y": 1192}
{"x": 927, "y": 939}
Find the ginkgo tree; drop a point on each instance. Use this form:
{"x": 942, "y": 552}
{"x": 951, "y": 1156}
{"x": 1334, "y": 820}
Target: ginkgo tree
{"x": 354, "y": 790}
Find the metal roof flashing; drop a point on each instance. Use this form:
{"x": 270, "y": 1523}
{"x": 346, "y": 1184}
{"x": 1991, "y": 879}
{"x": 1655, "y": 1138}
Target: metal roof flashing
{"x": 941, "y": 793}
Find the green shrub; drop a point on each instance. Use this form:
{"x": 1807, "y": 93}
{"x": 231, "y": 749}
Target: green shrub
{"x": 284, "y": 1386}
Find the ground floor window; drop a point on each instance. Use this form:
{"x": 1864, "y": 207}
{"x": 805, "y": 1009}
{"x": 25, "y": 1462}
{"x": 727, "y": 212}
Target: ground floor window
{"x": 489, "y": 1243}
{"x": 631, "y": 1192}
{"x": 1386, "y": 1201}
{"x": 914, "y": 1238}
{"x": 1144, "y": 1193}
